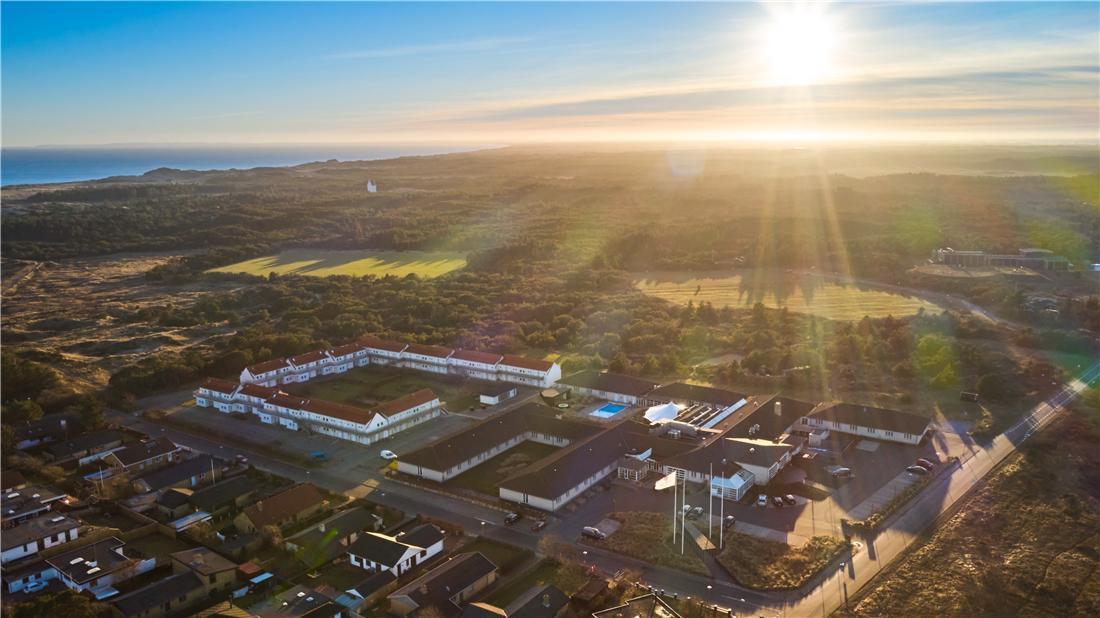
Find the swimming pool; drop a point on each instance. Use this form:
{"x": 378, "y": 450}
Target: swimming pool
{"x": 607, "y": 410}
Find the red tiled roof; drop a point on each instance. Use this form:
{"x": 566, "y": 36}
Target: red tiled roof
{"x": 527, "y": 363}
{"x": 347, "y": 348}
{"x": 383, "y": 344}
{"x": 489, "y": 358}
{"x": 399, "y": 405}
{"x": 284, "y": 505}
{"x": 266, "y": 366}
{"x": 255, "y": 390}
{"x": 307, "y": 357}
{"x": 219, "y": 385}
{"x": 287, "y": 401}
{"x": 338, "y": 410}
{"x": 429, "y": 350}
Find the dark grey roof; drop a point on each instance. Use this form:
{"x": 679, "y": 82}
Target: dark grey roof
{"x": 540, "y": 602}
{"x": 104, "y": 553}
{"x": 84, "y": 442}
{"x": 474, "y": 440}
{"x": 325, "y": 544}
{"x": 204, "y": 560}
{"x": 216, "y": 496}
{"x": 424, "y": 535}
{"x": 37, "y": 528}
{"x": 436, "y": 587}
{"x": 54, "y": 426}
{"x": 166, "y": 477}
{"x": 609, "y": 382}
{"x": 869, "y": 416}
{"x": 174, "y": 498}
{"x": 374, "y": 583}
{"x": 556, "y": 475}
{"x": 693, "y": 393}
{"x": 747, "y": 452}
{"x": 496, "y": 389}
{"x": 378, "y": 548}
{"x": 157, "y": 593}
{"x": 137, "y": 452}
{"x": 27, "y": 500}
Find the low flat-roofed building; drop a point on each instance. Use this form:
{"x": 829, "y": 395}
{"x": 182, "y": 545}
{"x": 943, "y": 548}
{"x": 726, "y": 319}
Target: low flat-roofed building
{"x": 164, "y": 597}
{"x": 33, "y": 536}
{"x": 610, "y": 386}
{"x": 867, "y": 422}
{"x": 27, "y": 503}
{"x": 493, "y": 394}
{"x": 84, "y": 448}
{"x": 217, "y": 572}
{"x": 96, "y": 567}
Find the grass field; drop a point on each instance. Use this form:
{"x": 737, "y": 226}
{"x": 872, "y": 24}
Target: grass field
{"x": 322, "y": 263}
{"x": 764, "y": 565}
{"x": 646, "y": 536}
{"x": 567, "y": 577}
{"x": 370, "y": 385}
{"x": 805, "y": 294}
{"x": 487, "y": 476}
{"x": 506, "y": 557}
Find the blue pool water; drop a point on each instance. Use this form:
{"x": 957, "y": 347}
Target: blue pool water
{"x": 607, "y": 410}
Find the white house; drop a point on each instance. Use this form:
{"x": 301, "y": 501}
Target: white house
{"x": 383, "y": 351}
{"x": 344, "y": 358}
{"x": 473, "y": 364}
{"x": 31, "y": 537}
{"x": 267, "y": 373}
{"x": 374, "y": 551}
{"x": 867, "y": 422}
{"x": 218, "y": 394}
{"x": 529, "y": 371}
{"x": 305, "y": 367}
{"x": 96, "y": 567}
{"x": 430, "y": 358}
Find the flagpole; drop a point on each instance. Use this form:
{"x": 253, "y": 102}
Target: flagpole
{"x": 722, "y": 513}
{"x": 674, "y": 513}
{"x": 710, "y": 506}
{"x": 683, "y": 516}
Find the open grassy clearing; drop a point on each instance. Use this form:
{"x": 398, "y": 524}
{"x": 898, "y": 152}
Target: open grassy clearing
{"x": 647, "y": 536}
{"x": 802, "y": 294}
{"x": 767, "y": 565}
{"x": 487, "y": 476}
{"x": 1027, "y": 543}
{"x": 325, "y": 263}
{"x": 367, "y": 386}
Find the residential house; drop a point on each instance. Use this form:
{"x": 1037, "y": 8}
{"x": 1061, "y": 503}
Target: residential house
{"x": 496, "y": 393}
{"x": 167, "y": 596}
{"x": 143, "y": 455}
{"x": 447, "y": 587}
{"x": 329, "y": 539}
{"x": 374, "y": 551}
{"x": 225, "y": 497}
{"x": 49, "y": 428}
{"x": 96, "y": 567}
{"x": 217, "y": 572}
{"x": 31, "y": 537}
{"x": 528, "y": 371}
{"x": 267, "y": 373}
{"x": 540, "y": 602}
{"x": 473, "y": 364}
{"x": 867, "y": 422}
{"x": 174, "y": 503}
{"x": 84, "y": 448}
{"x": 12, "y": 480}
{"x": 282, "y": 509}
{"x": 218, "y": 394}
{"x": 190, "y": 473}
{"x": 430, "y": 358}
{"x": 305, "y": 367}
{"x": 27, "y": 503}
{"x": 383, "y": 351}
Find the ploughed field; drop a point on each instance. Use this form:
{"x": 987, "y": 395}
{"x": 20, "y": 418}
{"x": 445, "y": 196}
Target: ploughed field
{"x": 324, "y": 263}
{"x": 802, "y": 294}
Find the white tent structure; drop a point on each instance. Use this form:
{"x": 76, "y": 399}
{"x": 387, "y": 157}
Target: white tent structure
{"x": 663, "y": 412}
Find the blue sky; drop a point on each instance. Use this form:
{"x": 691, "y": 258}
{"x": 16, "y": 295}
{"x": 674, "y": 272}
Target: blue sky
{"x": 253, "y": 72}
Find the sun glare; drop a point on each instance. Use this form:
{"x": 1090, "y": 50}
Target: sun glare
{"x": 798, "y": 45}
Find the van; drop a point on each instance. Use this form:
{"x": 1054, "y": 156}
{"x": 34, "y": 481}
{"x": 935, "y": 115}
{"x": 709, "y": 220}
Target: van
{"x": 842, "y": 473}
{"x": 593, "y": 533}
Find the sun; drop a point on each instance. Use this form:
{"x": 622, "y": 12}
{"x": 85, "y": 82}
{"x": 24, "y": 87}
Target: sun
{"x": 798, "y": 45}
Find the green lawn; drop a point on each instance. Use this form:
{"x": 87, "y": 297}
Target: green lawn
{"x": 506, "y": 557}
{"x": 802, "y": 294}
{"x": 486, "y": 477}
{"x": 324, "y": 263}
{"x": 370, "y": 385}
{"x": 767, "y": 565}
{"x": 340, "y": 576}
{"x": 647, "y": 536}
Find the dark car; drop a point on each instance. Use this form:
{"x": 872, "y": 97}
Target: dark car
{"x": 918, "y": 470}
{"x": 924, "y": 463}
{"x": 729, "y": 521}
{"x": 511, "y": 518}
{"x": 538, "y": 525}
{"x": 789, "y": 499}
{"x": 777, "y": 501}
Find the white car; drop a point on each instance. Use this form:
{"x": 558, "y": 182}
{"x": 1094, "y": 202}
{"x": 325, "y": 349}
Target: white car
{"x": 762, "y": 500}
{"x": 388, "y": 455}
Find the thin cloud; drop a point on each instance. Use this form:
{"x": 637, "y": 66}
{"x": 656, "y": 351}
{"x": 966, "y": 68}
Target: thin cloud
{"x": 429, "y": 48}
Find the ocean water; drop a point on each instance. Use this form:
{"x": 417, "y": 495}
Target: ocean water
{"x": 60, "y": 164}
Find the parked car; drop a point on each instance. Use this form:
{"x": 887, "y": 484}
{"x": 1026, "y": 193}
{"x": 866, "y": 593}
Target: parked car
{"x": 319, "y": 455}
{"x": 241, "y": 460}
{"x": 37, "y": 586}
{"x": 789, "y": 499}
{"x": 777, "y": 501}
{"x": 593, "y": 533}
{"x": 538, "y": 525}
{"x": 918, "y": 470}
{"x": 807, "y": 456}
{"x": 729, "y": 521}
{"x": 512, "y": 518}
{"x": 388, "y": 455}
{"x": 924, "y": 463}
{"x": 696, "y": 512}
{"x": 842, "y": 473}
{"x": 762, "y": 500}
{"x": 686, "y": 509}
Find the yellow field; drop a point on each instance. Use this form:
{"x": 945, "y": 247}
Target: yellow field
{"x": 802, "y": 294}
{"x": 320, "y": 263}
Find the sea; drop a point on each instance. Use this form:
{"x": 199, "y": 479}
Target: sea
{"x": 39, "y": 165}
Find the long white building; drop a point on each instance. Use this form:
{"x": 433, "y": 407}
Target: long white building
{"x": 487, "y": 366}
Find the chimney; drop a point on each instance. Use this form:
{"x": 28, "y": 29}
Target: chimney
{"x": 779, "y": 408}
{"x": 546, "y": 600}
